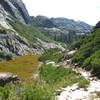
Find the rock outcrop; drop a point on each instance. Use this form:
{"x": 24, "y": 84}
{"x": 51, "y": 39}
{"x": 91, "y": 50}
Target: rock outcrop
{"x": 97, "y": 25}
{"x": 70, "y": 54}
{"x": 48, "y": 45}
{"x": 7, "y": 78}
{"x": 11, "y": 42}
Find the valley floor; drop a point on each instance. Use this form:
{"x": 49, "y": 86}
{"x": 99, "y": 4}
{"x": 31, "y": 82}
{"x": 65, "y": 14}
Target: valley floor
{"x": 23, "y": 66}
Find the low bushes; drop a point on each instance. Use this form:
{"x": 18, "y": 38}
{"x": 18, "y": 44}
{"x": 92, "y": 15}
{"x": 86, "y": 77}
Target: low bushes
{"x": 51, "y": 55}
{"x": 93, "y": 63}
{"x": 5, "y": 56}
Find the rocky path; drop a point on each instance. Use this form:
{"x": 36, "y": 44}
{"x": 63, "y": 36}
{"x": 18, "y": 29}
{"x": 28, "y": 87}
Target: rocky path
{"x": 74, "y": 92}
{"x": 92, "y": 92}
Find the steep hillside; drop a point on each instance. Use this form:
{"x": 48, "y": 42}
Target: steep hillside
{"x": 88, "y": 54}
{"x": 15, "y": 8}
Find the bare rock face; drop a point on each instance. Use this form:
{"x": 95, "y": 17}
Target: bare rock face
{"x": 48, "y": 45}
{"x": 7, "y": 78}
{"x": 97, "y": 25}
{"x": 16, "y": 9}
{"x": 11, "y": 42}
{"x": 13, "y": 9}
{"x": 3, "y": 16}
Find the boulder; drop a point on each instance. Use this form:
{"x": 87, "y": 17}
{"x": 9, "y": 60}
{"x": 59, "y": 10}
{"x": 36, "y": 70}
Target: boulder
{"x": 70, "y": 54}
{"x": 6, "y": 77}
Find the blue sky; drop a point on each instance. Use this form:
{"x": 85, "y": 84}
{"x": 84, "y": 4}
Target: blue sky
{"x": 84, "y": 10}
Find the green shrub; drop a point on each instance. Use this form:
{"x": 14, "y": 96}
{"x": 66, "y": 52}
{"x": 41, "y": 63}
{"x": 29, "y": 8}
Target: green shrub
{"x": 5, "y": 56}
{"x": 93, "y": 63}
{"x": 88, "y": 54}
{"x": 51, "y": 55}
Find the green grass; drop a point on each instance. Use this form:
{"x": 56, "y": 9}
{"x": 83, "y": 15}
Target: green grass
{"x": 51, "y": 55}
{"x": 59, "y": 76}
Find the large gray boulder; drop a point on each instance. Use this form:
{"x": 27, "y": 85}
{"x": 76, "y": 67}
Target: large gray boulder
{"x": 6, "y": 77}
{"x": 70, "y": 54}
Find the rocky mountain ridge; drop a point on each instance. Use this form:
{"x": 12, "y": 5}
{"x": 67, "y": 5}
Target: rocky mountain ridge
{"x": 61, "y": 23}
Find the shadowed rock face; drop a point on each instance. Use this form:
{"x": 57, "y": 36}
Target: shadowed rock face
{"x": 97, "y": 25}
{"x": 7, "y": 78}
{"x": 16, "y": 9}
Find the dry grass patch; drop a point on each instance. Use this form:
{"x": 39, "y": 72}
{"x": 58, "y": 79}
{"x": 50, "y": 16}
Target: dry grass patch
{"x": 23, "y": 66}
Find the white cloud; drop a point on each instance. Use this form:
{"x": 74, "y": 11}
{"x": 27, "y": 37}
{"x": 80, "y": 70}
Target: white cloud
{"x": 84, "y": 10}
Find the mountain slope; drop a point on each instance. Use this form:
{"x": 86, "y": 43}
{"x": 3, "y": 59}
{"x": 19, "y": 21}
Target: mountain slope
{"x": 61, "y": 29}
{"x": 88, "y": 54}
{"x": 61, "y": 23}
{"x": 69, "y": 24}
